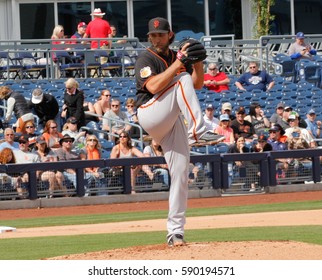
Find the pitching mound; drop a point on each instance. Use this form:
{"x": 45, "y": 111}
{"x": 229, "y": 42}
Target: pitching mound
{"x": 252, "y": 250}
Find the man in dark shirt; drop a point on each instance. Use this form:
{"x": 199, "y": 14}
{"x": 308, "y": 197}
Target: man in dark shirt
{"x": 45, "y": 106}
{"x": 241, "y": 127}
{"x": 255, "y": 79}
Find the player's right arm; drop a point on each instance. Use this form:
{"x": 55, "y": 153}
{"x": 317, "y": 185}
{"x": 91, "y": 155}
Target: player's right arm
{"x": 159, "y": 82}
{"x": 151, "y": 78}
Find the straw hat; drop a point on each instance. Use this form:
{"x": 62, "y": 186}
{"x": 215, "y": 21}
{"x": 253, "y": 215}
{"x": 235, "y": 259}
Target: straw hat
{"x": 97, "y": 12}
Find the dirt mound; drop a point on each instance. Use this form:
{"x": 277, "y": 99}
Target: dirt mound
{"x": 252, "y": 250}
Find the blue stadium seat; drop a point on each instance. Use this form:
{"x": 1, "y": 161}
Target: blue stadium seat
{"x": 106, "y": 144}
{"x": 69, "y": 63}
{"x": 274, "y": 93}
{"x": 288, "y": 68}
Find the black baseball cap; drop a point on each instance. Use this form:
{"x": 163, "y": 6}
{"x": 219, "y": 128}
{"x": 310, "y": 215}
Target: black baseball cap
{"x": 241, "y": 110}
{"x": 23, "y": 139}
{"x": 159, "y": 25}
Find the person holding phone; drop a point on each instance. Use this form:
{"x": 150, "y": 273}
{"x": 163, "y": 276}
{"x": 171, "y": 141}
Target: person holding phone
{"x": 293, "y": 121}
{"x": 300, "y": 49}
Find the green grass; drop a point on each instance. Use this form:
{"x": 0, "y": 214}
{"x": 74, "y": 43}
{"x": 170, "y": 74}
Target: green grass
{"x": 46, "y": 247}
{"x": 162, "y": 214}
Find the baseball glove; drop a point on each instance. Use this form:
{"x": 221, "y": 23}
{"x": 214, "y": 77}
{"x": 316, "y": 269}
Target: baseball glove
{"x": 195, "y": 52}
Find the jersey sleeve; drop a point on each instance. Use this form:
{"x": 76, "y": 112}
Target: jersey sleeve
{"x": 144, "y": 69}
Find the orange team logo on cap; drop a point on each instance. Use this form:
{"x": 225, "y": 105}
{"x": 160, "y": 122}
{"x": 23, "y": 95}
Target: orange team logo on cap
{"x": 156, "y": 24}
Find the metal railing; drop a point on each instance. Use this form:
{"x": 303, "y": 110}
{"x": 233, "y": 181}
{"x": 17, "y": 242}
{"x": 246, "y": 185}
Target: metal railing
{"x": 110, "y": 132}
{"x": 218, "y": 168}
{"x": 46, "y": 49}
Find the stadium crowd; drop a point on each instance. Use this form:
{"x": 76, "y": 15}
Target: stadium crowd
{"x": 46, "y": 131}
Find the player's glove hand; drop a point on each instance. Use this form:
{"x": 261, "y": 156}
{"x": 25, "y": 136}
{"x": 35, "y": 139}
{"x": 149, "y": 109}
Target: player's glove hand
{"x": 195, "y": 52}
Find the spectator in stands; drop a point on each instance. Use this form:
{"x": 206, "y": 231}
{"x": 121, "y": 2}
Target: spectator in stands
{"x": 57, "y": 39}
{"x": 243, "y": 169}
{"x": 17, "y": 105}
{"x": 9, "y": 136}
{"x": 70, "y": 128}
{"x": 313, "y": 126}
{"x": 300, "y": 50}
{"x": 88, "y": 107}
{"x": 131, "y": 110}
{"x": 23, "y": 155}
{"x": 103, "y": 104}
{"x": 277, "y": 117}
{"x": 99, "y": 28}
{"x": 298, "y": 140}
{"x": 257, "y": 118}
{"x": 215, "y": 80}
{"x": 293, "y": 120}
{"x": 226, "y": 108}
{"x": 255, "y": 79}
{"x": 155, "y": 150}
{"x": 52, "y": 135}
{"x": 114, "y": 32}
{"x": 210, "y": 121}
{"x": 6, "y": 157}
{"x": 55, "y": 178}
{"x": 132, "y": 117}
{"x": 277, "y": 139}
{"x": 261, "y": 144}
{"x": 124, "y": 149}
{"x": 115, "y": 113}
{"x": 74, "y": 102}
{"x": 241, "y": 127}
{"x": 92, "y": 151}
{"x": 58, "y": 34}
{"x": 66, "y": 153}
{"x": 30, "y": 133}
{"x": 284, "y": 121}
{"x": 79, "y": 34}
{"x": 225, "y": 129}
{"x": 44, "y": 106}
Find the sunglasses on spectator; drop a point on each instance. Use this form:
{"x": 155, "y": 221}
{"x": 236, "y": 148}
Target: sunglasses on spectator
{"x": 9, "y": 134}
{"x": 67, "y": 141}
{"x": 53, "y": 127}
{"x": 212, "y": 69}
{"x": 29, "y": 126}
{"x": 92, "y": 139}
{"x": 129, "y": 105}
{"x": 123, "y": 136}
{"x": 107, "y": 95}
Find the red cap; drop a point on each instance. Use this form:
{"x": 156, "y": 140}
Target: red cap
{"x": 81, "y": 24}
